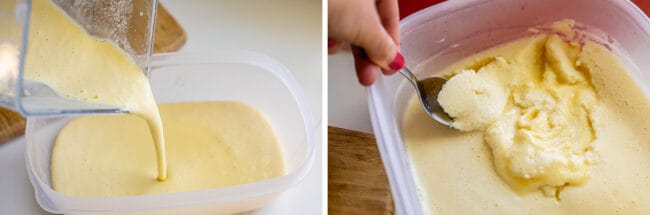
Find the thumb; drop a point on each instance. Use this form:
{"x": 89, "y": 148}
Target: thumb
{"x": 379, "y": 45}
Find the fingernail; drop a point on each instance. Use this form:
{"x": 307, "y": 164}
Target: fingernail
{"x": 398, "y": 62}
{"x": 330, "y": 43}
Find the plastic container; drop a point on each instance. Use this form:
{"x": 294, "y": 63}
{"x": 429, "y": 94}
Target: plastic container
{"x": 128, "y": 23}
{"x": 222, "y": 76}
{"x": 442, "y": 34}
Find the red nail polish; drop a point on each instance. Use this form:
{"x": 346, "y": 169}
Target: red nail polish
{"x": 331, "y": 43}
{"x": 398, "y": 62}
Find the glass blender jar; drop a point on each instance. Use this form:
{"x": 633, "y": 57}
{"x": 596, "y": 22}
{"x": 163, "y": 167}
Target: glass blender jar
{"x": 128, "y": 23}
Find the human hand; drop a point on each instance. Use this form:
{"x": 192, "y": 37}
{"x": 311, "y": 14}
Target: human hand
{"x": 372, "y": 28}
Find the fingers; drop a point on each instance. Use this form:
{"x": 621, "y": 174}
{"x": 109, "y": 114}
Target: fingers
{"x": 389, "y": 15}
{"x": 359, "y": 23}
{"x": 378, "y": 44}
{"x": 367, "y": 71}
{"x": 372, "y": 27}
{"x": 333, "y": 46}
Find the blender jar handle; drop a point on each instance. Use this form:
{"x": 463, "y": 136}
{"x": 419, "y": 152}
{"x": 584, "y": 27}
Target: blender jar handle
{"x": 14, "y": 24}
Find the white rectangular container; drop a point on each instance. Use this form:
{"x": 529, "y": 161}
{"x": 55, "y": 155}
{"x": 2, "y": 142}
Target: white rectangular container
{"x": 247, "y": 77}
{"x": 437, "y": 36}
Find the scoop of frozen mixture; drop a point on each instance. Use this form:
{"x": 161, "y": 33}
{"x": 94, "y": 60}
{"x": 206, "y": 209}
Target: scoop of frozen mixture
{"x": 472, "y": 100}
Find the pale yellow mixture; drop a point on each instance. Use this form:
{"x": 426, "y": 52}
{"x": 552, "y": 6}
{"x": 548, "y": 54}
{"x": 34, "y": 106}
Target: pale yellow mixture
{"x": 536, "y": 111}
{"x": 543, "y": 126}
{"x": 210, "y": 145}
{"x": 80, "y": 67}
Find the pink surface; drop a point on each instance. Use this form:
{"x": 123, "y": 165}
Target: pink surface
{"x": 407, "y": 7}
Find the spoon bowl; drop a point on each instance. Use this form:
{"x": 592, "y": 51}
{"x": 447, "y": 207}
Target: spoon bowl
{"x": 427, "y": 91}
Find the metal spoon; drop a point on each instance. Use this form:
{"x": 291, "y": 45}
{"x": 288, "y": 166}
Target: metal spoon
{"x": 427, "y": 90}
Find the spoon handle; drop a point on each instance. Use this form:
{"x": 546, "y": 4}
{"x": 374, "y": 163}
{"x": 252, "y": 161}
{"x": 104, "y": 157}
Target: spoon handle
{"x": 406, "y": 72}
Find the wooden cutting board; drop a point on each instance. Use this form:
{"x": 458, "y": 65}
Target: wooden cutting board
{"x": 357, "y": 182}
{"x": 169, "y": 37}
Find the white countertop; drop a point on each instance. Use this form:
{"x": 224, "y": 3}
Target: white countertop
{"x": 287, "y": 30}
{"x": 348, "y": 100}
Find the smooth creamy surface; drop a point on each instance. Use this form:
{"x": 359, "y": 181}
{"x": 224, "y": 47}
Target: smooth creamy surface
{"x": 210, "y": 145}
{"x": 80, "y": 67}
{"x": 573, "y": 115}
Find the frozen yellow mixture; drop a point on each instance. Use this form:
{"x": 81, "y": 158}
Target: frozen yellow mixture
{"x": 542, "y": 125}
{"x": 536, "y": 111}
{"x": 210, "y": 145}
{"x": 80, "y": 67}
